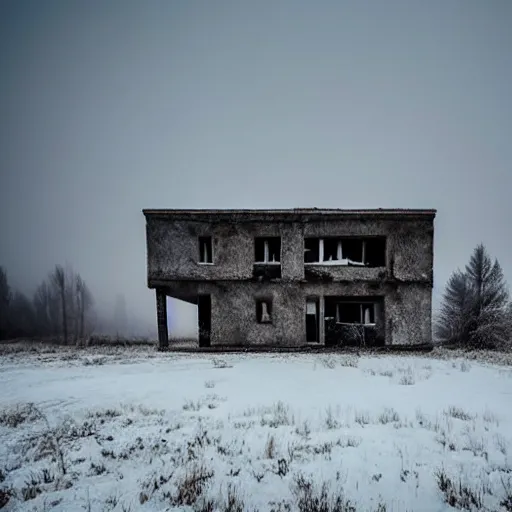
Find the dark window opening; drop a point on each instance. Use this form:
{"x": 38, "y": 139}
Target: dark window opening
{"x": 311, "y": 250}
{"x": 354, "y": 321}
{"x": 375, "y": 252}
{"x": 352, "y": 249}
{"x": 267, "y": 250}
{"x": 205, "y": 249}
{"x": 370, "y": 252}
{"x": 355, "y": 313}
{"x": 264, "y": 311}
{"x": 331, "y": 249}
{"x": 312, "y": 321}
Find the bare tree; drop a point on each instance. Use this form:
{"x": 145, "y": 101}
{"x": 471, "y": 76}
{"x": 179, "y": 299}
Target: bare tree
{"x": 42, "y": 302}
{"x": 58, "y": 278}
{"x": 475, "y": 302}
{"x": 5, "y": 299}
{"x": 84, "y": 302}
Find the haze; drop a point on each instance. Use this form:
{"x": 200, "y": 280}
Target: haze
{"x": 110, "y": 107}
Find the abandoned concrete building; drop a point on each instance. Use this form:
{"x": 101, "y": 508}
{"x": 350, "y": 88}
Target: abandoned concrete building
{"x": 295, "y": 277}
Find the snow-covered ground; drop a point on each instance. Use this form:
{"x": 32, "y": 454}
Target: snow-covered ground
{"x": 383, "y": 433}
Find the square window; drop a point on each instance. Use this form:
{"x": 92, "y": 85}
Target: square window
{"x": 267, "y": 250}
{"x": 264, "y": 311}
{"x": 205, "y": 249}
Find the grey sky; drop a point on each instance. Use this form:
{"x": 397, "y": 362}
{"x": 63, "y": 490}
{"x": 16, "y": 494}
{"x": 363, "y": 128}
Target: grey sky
{"x": 109, "y": 107}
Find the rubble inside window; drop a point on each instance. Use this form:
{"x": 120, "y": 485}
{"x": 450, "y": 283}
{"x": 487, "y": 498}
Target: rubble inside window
{"x": 267, "y": 250}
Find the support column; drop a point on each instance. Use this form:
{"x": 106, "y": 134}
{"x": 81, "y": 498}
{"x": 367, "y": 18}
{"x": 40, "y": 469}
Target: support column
{"x": 161, "y": 319}
{"x": 321, "y": 320}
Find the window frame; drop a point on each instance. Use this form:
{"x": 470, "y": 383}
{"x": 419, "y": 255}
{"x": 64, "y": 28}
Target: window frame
{"x": 259, "y": 310}
{"x": 266, "y": 250}
{"x": 338, "y": 262}
{"x": 210, "y": 238}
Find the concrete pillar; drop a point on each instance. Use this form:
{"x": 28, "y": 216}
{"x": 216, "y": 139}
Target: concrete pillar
{"x": 321, "y": 320}
{"x": 161, "y": 318}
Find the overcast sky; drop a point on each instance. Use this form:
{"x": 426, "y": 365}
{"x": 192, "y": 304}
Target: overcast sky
{"x": 110, "y": 107}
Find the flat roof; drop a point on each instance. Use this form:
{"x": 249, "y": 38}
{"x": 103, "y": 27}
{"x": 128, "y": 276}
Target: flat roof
{"x": 292, "y": 211}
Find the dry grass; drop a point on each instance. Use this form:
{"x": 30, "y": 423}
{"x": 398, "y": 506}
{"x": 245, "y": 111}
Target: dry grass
{"x": 191, "y": 486}
{"x": 457, "y": 494}
{"x": 459, "y": 413}
{"x": 318, "y": 498}
{"x": 407, "y": 380}
{"x": 389, "y": 415}
{"x": 14, "y": 416}
{"x": 270, "y": 448}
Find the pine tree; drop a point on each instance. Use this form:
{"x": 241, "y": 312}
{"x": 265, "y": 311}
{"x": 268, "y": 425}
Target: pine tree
{"x": 475, "y": 304}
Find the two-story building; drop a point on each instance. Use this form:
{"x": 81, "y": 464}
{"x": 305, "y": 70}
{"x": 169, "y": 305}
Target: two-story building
{"x": 293, "y": 277}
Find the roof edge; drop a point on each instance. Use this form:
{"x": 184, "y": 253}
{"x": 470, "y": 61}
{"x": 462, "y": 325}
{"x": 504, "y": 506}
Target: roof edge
{"x": 384, "y": 212}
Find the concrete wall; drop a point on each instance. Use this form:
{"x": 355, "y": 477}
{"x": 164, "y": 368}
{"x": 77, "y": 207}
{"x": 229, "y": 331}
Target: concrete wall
{"x": 406, "y": 315}
{"x": 173, "y": 251}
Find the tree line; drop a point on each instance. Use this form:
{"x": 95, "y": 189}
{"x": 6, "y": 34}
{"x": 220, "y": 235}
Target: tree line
{"x": 476, "y": 311}
{"x": 62, "y": 307}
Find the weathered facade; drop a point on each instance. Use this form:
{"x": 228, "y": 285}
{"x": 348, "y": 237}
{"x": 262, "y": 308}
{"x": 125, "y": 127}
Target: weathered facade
{"x": 292, "y": 277}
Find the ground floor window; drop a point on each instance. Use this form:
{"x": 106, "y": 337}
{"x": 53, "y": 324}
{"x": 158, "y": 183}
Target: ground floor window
{"x": 264, "y": 311}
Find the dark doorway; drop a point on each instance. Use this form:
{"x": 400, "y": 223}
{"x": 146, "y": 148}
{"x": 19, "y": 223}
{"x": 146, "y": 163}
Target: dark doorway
{"x": 204, "y": 314}
{"x": 312, "y": 320}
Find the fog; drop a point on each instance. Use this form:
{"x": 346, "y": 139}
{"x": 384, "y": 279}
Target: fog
{"x": 108, "y": 108}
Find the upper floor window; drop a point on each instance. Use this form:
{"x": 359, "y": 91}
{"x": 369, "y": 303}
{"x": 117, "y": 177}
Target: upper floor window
{"x": 369, "y": 252}
{"x": 205, "y": 249}
{"x": 267, "y": 250}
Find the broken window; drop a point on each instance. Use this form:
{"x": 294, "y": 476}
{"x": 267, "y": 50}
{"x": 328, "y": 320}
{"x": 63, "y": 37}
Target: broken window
{"x": 267, "y": 250}
{"x": 331, "y": 252}
{"x": 369, "y": 252}
{"x": 353, "y": 250}
{"x": 311, "y": 250}
{"x": 375, "y": 252}
{"x": 205, "y": 249}
{"x": 355, "y": 313}
{"x": 264, "y": 311}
